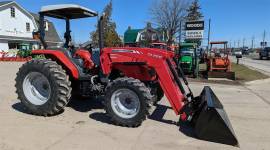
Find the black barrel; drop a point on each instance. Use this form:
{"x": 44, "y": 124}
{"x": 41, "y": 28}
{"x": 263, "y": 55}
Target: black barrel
{"x": 212, "y": 123}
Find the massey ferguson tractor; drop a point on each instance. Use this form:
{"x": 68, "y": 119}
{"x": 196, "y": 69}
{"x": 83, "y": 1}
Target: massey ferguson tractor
{"x": 130, "y": 80}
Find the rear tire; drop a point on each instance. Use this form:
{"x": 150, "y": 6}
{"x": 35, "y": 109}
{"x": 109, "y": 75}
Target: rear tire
{"x": 37, "y": 77}
{"x": 121, "y": 112}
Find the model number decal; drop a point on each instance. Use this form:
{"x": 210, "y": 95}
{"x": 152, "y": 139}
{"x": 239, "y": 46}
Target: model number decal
{"x": 125, "y": 51}
{"x": 154, "y": 55}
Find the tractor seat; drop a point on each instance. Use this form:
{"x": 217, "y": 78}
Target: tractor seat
{"x": 78, "y": 62}
{"x": 217, "y": 55}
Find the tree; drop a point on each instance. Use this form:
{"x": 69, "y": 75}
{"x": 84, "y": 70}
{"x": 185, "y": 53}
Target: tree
{"x": 111, "y": 38}
{"x": 168, "y": 14}
{"x": 193, "y": 12}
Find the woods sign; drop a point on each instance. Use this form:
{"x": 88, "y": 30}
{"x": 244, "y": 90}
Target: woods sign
{"x": 194, "y": 30}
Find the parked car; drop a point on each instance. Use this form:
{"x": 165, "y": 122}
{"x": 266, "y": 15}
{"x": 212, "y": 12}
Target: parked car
{"x": 265, "y": 53}
{"x": 238, "y": 53}
{"x": 245, "y": 51}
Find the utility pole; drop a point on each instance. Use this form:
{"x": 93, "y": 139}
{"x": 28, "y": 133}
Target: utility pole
{"x": 209, "y": 32}
{"x": 264, "y": 35}
{"x": 244, "y": 41}
{"x": 238, "y": 43}
{"x": 252, "y": 42}
{"x": 180, "y": 33}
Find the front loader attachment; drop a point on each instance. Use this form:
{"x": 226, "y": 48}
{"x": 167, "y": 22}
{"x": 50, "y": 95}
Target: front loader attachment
{"x": 220, "y": 74}
{"x": 206, "y": 112}
{"x": 211, "y": 120}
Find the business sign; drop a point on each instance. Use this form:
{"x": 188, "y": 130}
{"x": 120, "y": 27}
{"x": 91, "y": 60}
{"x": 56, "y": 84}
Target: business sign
{"x": 194, "y": 30}
{"x": 195, "y": 25}
{"x": 194, "y": 34}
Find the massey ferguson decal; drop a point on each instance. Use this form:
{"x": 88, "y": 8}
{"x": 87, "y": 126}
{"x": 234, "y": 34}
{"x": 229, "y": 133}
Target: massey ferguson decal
{"x": 154, "y": 55}
{"x": 125, "y": 51}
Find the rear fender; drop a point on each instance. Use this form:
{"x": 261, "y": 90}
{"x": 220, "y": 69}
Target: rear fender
{"x": 62, "y": 59}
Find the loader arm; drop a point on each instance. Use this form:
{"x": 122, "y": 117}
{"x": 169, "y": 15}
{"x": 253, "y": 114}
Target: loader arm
{"x": 154, "y": 58}
{"x": 205, "y": 111}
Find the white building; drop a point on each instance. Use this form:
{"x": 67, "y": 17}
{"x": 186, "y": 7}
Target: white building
{"x": 17, "y": 26}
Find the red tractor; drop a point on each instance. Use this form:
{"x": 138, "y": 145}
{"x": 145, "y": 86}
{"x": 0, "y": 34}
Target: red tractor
{"x": 130, "y": 79}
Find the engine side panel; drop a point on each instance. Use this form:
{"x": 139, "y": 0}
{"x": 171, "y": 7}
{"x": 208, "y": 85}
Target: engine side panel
{"x": 141, "y": 72}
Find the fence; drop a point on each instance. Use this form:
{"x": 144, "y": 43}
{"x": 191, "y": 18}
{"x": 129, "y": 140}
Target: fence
{"x": 6, "y": 56}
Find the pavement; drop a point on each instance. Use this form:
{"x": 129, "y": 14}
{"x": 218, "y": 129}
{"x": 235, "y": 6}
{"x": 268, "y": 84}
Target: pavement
{"x": 255, "y": 63}
{"x": 83, "y": 125}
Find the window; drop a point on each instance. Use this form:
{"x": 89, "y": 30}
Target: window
{"x": 46, "y": 26}
{"x": 12, "y": 12}
{"x": 142, "y": 37}
{"x": 28, "y": 26}
{"x": 154, "y": 37}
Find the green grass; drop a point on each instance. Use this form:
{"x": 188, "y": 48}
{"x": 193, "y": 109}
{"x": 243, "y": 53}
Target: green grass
{"x": 244, "y": 73}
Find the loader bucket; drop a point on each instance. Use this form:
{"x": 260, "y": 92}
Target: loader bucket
{"x": 212, "y": 123}
{"x": 216, "y": 74}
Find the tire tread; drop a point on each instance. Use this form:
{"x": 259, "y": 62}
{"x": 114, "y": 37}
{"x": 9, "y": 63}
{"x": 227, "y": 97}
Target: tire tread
{"x": 56, "y": 74}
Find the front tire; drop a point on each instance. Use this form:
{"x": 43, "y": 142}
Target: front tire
{"x": 43, "y": 87}
{"x": 127, "y": 102}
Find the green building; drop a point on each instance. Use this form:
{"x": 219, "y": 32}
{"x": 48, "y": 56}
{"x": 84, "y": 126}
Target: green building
{"x": 143, "y": 37}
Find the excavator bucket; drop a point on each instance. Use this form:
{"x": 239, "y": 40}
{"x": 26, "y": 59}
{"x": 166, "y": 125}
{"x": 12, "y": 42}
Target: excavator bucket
{"x": 212, "y": 123}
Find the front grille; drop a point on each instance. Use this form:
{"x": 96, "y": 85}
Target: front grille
{"x": 184, "y": 65}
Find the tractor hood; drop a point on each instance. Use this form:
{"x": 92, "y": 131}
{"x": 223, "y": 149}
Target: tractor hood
{"x": 186, "y": 59}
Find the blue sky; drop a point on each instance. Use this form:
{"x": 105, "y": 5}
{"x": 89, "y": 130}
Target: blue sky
{"x": 232, "y": 20}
